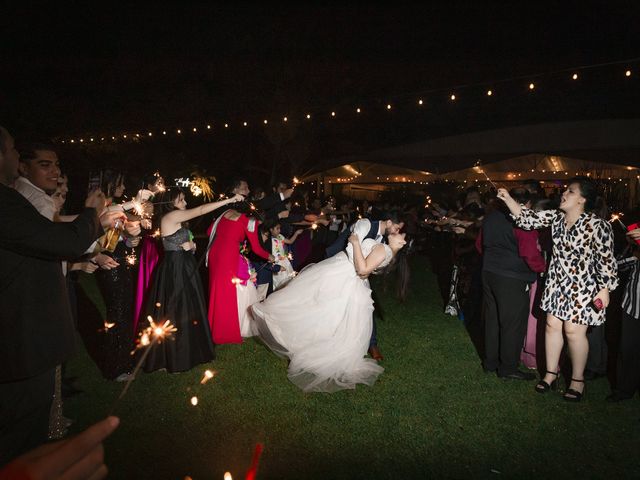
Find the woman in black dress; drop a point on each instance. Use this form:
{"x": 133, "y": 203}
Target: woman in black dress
{"x": 176, "y": 292}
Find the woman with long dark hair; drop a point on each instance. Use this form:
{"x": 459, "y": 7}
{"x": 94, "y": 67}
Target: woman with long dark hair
{"x": 176, "y": 293}
{"x": 581, "y": 274}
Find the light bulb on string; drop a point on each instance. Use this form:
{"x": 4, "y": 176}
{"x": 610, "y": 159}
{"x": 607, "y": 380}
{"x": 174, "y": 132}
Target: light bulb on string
{"x": 358, "y": 110}
{"x": 388, "y": 106}
{"x": 91, "y": 139}
{"x": 308, "y": 116}
{"x": 452, "y": 97}
{"x": 179, "y": 131}
{"x": 333, "y": 114}
{"x": 226, "y": 125}
{"x": 265, "y": 121}
{"x": 532, "y": 86}
{"x": 208, "y": 127}
{"x": 150, "y": 134}
{"x": 627, "y": 73}
{"x": 164, "y": 132}
{"x": 285, "y": 119}
{"x": 195, "y": 129}
{"x": 244, "y": 124}
{"x": 489, "y": 93}
{"x": 574, "y": 76}
{"x": 420, "y": 102}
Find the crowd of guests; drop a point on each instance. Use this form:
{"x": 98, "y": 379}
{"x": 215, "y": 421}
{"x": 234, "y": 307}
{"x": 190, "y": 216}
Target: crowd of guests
{"x": 532, "y": 270}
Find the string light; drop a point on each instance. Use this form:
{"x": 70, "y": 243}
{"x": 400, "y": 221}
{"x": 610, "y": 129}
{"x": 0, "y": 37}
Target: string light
{"x": 575, "y": 75}
{"x": 285, "y": 119}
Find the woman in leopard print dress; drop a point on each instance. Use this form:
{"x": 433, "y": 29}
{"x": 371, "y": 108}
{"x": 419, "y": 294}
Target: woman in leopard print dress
{"x": 582, "y": 271}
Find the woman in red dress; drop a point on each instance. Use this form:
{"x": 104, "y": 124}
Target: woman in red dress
{"x": 231, "y": 230}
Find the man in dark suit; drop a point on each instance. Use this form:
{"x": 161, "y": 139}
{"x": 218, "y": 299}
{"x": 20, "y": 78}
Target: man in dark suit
{"x": 35, "y": 317}
{"x": 378, "y": 231}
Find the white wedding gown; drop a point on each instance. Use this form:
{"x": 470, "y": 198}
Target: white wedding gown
{"x": 322, "y": 322}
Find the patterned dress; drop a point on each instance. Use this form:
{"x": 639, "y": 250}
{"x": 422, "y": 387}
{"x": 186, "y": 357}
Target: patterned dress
{"x": 581, "y": 265}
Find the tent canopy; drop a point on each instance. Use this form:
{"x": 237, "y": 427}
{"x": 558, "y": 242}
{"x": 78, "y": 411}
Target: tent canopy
{"x": 612, "y": 141}
{"x": 368, "y": 172}
{"x": 541, "y": 167}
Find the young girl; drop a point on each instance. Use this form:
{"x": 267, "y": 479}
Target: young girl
{"x": 176, "y": 292}
{"x": 281, "y": 253}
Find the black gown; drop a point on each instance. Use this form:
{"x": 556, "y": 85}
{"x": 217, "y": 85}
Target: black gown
{"x": 177, "y": 289}
{"x": 116, "y": 286}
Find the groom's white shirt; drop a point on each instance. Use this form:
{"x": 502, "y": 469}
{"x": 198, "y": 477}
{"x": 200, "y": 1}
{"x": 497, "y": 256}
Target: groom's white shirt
{"x": 362, "y": 227}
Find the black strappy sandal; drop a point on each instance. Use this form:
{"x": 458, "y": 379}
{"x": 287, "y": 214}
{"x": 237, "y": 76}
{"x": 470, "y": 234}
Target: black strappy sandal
{"x": 544, "y": 387}
{"x": 572, "y": 395}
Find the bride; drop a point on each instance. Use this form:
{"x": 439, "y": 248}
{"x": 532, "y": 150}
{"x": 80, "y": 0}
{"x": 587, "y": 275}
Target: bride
{"x": 322, "y": 319}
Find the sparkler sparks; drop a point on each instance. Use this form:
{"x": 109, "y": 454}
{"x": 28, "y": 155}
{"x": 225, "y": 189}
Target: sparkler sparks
{"x": 108, "y": 325}
{"x": 151, "y": 335}
{"x": 615, "y": 217}
{"x": 131, "y": 259}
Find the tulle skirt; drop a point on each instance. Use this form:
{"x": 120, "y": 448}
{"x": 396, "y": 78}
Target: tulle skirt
{"x": 322, "y": 321}
{"x": 176, "y": 294}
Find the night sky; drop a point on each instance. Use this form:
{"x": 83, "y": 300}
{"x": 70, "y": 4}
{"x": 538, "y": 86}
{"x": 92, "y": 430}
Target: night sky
{"x": 97, "y": 70}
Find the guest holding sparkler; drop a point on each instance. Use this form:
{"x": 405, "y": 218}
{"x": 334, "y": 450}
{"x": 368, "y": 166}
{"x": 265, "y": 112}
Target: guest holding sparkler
{"x": 581, "y": 274}
{"x": 279, "y": 249}
{"x": 226, "y": 236}
{"x": 38, "y": 331}
{"x": 176, "y": 292}
{"x": 115, "y": 280}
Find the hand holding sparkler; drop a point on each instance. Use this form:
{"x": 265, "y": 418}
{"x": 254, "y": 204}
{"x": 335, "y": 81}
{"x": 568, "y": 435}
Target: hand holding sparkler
{"x": 514, "y": 207}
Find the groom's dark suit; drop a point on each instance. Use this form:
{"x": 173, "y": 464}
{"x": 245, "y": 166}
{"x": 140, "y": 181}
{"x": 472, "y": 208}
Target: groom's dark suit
{"x": 341, "y": 243}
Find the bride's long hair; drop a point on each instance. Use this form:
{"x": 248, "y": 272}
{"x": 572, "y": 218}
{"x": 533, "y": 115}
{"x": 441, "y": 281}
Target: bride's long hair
{"x": 400, "y": 265}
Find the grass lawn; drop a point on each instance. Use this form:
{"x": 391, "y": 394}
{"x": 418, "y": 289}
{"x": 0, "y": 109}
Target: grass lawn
{"x": 432, "y": 414}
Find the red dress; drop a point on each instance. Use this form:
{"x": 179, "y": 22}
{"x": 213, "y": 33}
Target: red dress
{"x": 223, "y": 268}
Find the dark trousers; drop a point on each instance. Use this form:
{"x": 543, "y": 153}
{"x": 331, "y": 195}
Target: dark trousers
{"x": 24, "y": 414}
{"x": 629, "y": 356}
{"x": 506, "y": 310}
{"x": 597, "y": 359}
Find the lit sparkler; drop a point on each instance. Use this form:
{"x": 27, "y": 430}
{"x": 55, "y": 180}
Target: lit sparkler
{"x": 290, "y": 256}
{"x": 156, "y": 234}
{"x": 615, "y": 217}
{"x": 131, "y": 259}
{"x": 194, "y": 401}
{"x": 236, "y": 281}
{"x": 108, "y": 325}
{"x": 479, "y": 168}
{"x": 154, "y": 333}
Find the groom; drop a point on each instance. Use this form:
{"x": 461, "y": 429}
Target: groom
{"x": 378, "y": 231}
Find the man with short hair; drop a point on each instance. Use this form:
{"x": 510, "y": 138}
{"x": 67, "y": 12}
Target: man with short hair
{"x": 39, "y": 170}
{"x": 35, "y": 318}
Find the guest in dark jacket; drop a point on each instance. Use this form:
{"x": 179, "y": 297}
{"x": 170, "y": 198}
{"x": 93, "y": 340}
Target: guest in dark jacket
{"x": 35, "y": 317}
{"x": 506, "y": 277}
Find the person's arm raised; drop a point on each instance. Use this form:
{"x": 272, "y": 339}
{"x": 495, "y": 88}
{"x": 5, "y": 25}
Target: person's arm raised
{"x": 179, "y": 216}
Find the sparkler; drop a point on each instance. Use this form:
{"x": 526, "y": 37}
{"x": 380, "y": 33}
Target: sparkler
{"x": 107, "y": 326}
{"x": 151, "y": 335}
{"x": 479, "y": 169}
{"x": 615, "y": 217}
{"x": 290, "y": 256}
{"x": 131, "y": 259}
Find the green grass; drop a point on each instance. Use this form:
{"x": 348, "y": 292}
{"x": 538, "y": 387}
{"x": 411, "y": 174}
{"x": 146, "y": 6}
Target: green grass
{"x": 432, "y": 414}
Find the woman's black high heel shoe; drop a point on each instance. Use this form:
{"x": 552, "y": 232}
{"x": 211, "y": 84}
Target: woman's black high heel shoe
{"x": 572, "y": 395}
{"x": 544, "y": 387}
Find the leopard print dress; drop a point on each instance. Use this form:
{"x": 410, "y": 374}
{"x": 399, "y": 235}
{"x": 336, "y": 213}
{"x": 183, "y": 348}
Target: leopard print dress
{"x": 582, "y": 264}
